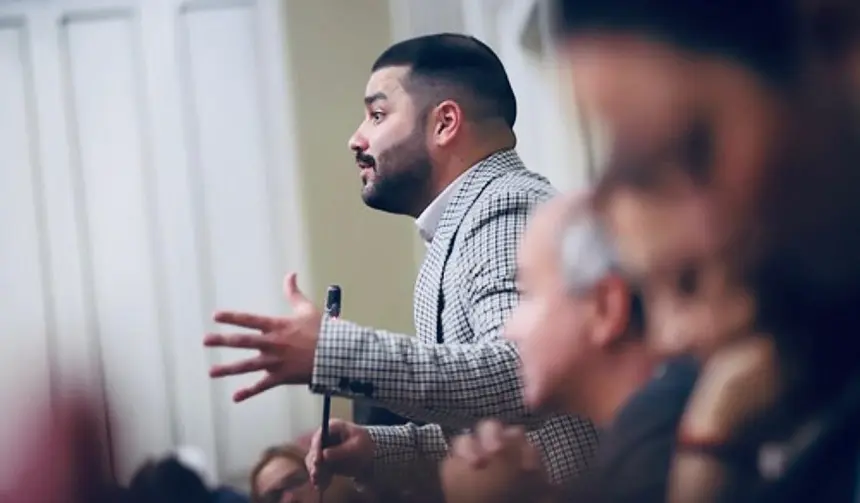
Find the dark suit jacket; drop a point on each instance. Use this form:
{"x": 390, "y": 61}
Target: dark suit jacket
{"x": 635, "y": 452}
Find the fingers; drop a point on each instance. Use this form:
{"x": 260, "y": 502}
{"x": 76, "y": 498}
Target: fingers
{"x": 262, "y": 385}
{"x": 339, "y": 457}
{"x": 339, "y": 434}
{"x": 291, "y": 290}
{"x": 313, "y": 462}
{"x": 490, "y": 435}
{"x": 514, "y": 434}
{"x": 343, "y": 452}
{"x": 262, "y": 362}
{"x": 238, "y": 341}
{"x": 466, "y": 447}
{"x": 488, "y": 440}
{"x": 338, "y": 430}
{"x": 516, "y": 442}
{"x": 312, "y": 459}
{"x": 531, "y": 459}
{"x": 247, "y": 320}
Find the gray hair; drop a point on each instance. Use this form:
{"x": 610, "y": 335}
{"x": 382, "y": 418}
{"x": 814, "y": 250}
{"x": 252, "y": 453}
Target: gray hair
{"x": 587, "y": 255}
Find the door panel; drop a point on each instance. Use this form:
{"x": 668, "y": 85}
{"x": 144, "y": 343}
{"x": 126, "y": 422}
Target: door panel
{"x": 142, "y": 186}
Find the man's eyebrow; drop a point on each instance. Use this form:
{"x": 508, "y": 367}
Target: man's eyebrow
{"x": 370, "y": 100}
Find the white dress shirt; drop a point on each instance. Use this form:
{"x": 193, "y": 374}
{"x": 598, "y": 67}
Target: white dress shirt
{"x": 428, "y": 220}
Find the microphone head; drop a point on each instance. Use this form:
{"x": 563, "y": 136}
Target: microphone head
{"x": 332, "y": 301}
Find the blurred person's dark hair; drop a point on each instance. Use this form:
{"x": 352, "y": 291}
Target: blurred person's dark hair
{"x": 167, "y": 481}
{"x": 762, "y": 35}
{"x": 458, "y": 67}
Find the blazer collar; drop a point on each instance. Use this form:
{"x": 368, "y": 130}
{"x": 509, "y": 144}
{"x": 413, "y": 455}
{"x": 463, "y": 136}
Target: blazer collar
{"x": 470, "y": 187}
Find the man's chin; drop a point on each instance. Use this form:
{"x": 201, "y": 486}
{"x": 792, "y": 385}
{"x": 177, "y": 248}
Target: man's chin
{"x": 368, "y": 193}
{"x": 378, "y": 201}
{"x": 371, "y": 197}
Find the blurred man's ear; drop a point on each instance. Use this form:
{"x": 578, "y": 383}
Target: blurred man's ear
{"x": 612, "y": 320}
{"x": 832, "y": 42}
{"x": 833, "y": 27}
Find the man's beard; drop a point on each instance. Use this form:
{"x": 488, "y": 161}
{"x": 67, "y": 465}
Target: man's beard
{"x": 402, "y": 177}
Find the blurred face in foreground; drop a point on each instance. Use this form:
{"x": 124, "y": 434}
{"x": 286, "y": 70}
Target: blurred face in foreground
{"x": 692, "y": 137}
{"x": 577, "y": 346}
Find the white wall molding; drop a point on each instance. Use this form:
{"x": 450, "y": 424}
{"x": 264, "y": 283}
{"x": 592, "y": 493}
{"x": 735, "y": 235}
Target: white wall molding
{"x": 153, "y": 167}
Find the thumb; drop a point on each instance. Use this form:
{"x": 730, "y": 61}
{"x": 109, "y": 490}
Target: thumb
{"x": 291, "y": 290}
{"x": 339, "y": 431}
{"x": 347, "y": 450}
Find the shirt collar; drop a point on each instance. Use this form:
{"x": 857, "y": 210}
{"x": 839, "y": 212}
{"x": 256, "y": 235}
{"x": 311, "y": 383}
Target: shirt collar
{"x": 428, "y": 220}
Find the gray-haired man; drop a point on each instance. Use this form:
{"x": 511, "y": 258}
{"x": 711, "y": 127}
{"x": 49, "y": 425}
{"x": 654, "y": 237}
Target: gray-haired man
{"x": 579, "y": 330}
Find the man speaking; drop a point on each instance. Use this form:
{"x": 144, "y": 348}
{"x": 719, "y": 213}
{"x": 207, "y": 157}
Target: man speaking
{"x": 437, "y": 144}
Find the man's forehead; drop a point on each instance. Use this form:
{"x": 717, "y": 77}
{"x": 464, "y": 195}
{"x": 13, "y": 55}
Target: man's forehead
{"x": 621, "y": 78}
{"x": 387, "y": 82}
{"x": 652, "y": 232}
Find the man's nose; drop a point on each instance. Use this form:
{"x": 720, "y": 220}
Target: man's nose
{"x": 668, "y": 341}
{"x": 357, "y": 142}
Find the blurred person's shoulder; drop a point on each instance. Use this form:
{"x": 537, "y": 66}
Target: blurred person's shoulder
{"x": 659, "y": 404}
{"x": 635, "y": 452}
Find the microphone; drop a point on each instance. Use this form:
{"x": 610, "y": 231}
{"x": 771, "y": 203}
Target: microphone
{"x": 332, "y": 301}
{"x": 332, "y": 309}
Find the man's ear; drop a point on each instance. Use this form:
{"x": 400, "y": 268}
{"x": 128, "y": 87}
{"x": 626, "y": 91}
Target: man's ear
{"x": 612, "y": 311}
{"x": 446, "y": 122}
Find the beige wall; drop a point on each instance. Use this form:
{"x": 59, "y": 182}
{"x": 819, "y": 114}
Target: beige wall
{"x": 331, "y": 45}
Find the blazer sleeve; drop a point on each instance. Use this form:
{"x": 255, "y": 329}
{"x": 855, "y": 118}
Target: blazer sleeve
{"x": 454, "y": 385}
{"x": 400, "y": 449}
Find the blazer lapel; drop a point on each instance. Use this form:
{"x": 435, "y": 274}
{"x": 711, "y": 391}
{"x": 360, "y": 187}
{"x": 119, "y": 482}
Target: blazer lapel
{"x": 428, "y": 287}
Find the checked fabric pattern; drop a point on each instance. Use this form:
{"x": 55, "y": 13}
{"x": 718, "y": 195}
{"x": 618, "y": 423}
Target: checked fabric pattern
{"x": 458, "y": 369}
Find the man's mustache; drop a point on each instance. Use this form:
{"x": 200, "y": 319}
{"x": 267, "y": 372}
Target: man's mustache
{"x": 366, "y": 159}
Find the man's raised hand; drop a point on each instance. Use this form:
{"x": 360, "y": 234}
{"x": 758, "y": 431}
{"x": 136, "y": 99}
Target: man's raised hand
{"x": 286, "y": 345}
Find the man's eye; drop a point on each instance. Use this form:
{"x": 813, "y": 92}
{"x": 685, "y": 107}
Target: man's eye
{"x": 376, "y": 117}
{"x": 688, "y": 281}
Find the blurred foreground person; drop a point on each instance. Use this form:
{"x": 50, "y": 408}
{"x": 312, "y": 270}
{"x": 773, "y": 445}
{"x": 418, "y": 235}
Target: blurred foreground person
{"x": 62, "y": 457}
{"x": 169, "y": 480}
{"x": 580, "y": 331}
{"x": 732, "y": 192}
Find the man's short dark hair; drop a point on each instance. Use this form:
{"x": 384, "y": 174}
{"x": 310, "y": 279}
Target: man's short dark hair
{"x": 458, "y": 67}
{"x": 761, "y": 34}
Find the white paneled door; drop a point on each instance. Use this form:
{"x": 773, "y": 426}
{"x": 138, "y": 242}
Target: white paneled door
{"x": 145, "y": 180}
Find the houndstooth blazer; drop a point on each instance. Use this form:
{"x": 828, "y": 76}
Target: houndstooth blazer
{"x": 458, "y": 369}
